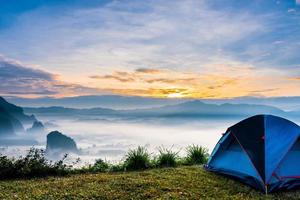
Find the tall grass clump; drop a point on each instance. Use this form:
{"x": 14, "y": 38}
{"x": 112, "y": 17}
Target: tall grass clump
{"x": 167, "y": 158}
{"x": 196, "y": 155}
{"x": 137, "y": 159}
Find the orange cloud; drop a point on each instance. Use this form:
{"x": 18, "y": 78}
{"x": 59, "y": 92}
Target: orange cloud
{"x": 167, "y": 83}
{"x": 221, "y": 82}
{"x": 172, "y": 81}
{"x": 152, "y": 92}
{"x": 118, "y": 78}
{"x": 148, "y": 70}
{"x": 297, "y": 78}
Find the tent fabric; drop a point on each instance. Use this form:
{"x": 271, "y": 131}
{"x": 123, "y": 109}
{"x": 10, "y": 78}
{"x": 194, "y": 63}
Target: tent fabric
{"x": 285, "y": 169}
{"x": 262, "y": 151}
{"x": 278, "y": 130}
{"x": 251, "y": 139}
{"x": 226, "y": 160}
{"x": 222, "y": 139}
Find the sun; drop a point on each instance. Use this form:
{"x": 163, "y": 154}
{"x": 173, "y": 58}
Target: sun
{"x": 175, "y": 95}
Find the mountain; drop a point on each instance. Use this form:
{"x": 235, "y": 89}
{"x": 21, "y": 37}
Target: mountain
{"x": 285, "y": 103}
{"x": 37, "y": 127}
{"x": 59, "y": 143}
{"x": 199, "y": 109}
{"x": 105, "y": 101}
{"x": 187, "y": 109}
{"x": 9, "y": 125}
{"x": 16, "y": 112}
{"x": 12, "y": 118}
{"x": 133, "y": 102}
{"x": 72, "y": 112}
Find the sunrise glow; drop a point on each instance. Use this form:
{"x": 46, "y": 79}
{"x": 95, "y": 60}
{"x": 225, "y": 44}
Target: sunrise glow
{"x": 165, "y": 50}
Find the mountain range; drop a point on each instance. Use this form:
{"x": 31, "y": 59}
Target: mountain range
{"x": 194, "y": 108}
{"x": 104, "y": 101}
{"x": 12, "y": 117}
{"x": 133, "y": 102}
{"x": 12, "y": 132}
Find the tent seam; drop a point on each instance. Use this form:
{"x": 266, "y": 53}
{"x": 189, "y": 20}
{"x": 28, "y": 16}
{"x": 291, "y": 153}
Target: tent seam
{"x": 282, "y": 159}
{"x": 249, "y": 158}
{"x": 217, "y": 147}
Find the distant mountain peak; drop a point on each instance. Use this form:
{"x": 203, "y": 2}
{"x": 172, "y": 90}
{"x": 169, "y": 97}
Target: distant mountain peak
{"x": 37, "y": 127}
{"x": 16, "y": 111}
{"x": 59, "y": 143}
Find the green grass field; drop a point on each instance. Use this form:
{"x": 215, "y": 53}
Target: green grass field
{"x": 169, "y": 183}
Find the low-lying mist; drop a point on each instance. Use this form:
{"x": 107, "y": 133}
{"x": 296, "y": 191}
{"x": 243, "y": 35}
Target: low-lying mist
{"x": 110, "y": 139}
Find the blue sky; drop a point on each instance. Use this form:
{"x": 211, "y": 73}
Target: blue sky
{"x": 193, "y": 48}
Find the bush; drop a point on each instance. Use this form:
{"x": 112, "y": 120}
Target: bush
{"x": 34, "y": 164}
{"x": 100, "y": 166}
{"x": 117, "y": 167}
{"x": 196, "y": 155}
{"x": 167, "y": 158}
{"x": 6, "y": 167}
{"x": 137, "y": 159}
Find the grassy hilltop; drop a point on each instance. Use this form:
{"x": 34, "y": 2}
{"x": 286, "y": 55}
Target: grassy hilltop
{"x": 166, "y": 183}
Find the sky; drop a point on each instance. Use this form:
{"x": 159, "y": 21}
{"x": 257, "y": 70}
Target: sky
{"x": 167, "y": 48}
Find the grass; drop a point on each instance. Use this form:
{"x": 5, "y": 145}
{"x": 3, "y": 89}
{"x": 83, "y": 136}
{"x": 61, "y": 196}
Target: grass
{"x": 191, "y": 182}
{"x": 159, "y": 181}
{"x": 196, "y": 155}
{"x": 137, "y": 159}
{"x": 34, "y": 164}
{"x": 167, "y": 158}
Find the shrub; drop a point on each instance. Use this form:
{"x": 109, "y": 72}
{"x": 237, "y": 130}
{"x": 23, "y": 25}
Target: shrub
{"x": 117, "y": 167}
{"x": 60, "y": 168}
{"x": 196, "y": 155}
{"x": 34, "y": 164}
{"x": 100, "y": 166}
{"x": 167, "y": 158}
{"x": 137, "y": 159}
{"x": 6, "y": 167}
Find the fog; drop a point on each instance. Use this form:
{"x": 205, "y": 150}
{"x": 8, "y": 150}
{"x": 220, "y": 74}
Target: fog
{"x": 110, "y": 139}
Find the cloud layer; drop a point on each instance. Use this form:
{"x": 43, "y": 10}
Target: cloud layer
{"x": 21, "y": 80}
{"x": 239, "y": 81}
{"x": 199, "y": 48}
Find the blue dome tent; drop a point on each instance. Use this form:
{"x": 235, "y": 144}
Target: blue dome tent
{"x": 262, "y": 151}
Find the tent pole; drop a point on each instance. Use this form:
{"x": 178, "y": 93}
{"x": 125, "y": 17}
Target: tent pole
{"x": 266, "y": 190}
